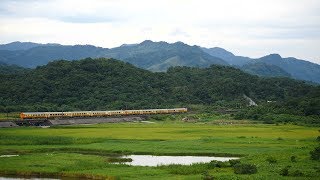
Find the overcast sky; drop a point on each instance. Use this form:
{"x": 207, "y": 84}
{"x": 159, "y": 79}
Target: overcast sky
{"x": 245, "y": 27}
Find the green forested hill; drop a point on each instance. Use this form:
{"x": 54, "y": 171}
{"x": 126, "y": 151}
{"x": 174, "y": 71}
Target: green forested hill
{"x": 100, "y": 84}
{"x": 11, "y": 69}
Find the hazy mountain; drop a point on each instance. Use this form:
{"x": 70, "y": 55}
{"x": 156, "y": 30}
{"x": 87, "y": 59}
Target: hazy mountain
{"x": 41, "y": 55}
{"x": 17, "y": 45}
{"x": 263, "y": 69}
{"x": 157, "y": 56}
{"x": 297, "y": 68}
{"x": 271, "y": 64}
{"x": 227, "y": 56}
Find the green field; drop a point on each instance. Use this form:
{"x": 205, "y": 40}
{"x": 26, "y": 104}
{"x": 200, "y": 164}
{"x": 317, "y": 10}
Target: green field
{"x": 84, "y": 150}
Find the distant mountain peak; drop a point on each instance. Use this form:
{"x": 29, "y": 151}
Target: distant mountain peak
{"x": 273, "y": 56}
{"x": 179, "y": 43}
{"x": 146, "y": 42}
{"x": 127, "y": 45}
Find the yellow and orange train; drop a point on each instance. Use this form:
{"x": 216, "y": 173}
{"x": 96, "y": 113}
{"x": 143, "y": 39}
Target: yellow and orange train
{"x": 48, "y": 115}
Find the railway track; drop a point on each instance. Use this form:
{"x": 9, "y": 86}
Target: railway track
{"x": 70, "y": 121}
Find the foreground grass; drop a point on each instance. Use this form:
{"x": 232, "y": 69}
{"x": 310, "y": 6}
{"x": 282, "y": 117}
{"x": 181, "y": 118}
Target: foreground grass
{"x": 82, "y": 151}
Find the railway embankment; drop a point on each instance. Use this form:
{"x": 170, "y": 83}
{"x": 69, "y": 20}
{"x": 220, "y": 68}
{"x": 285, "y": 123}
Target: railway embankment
{"x": 70, "y": 121}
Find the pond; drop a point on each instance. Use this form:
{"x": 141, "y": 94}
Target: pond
{"x": 150, "y": 160}
{"x": 4, "y": 156}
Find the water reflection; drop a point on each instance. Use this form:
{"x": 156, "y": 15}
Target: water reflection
{"x": 149, "y": 160}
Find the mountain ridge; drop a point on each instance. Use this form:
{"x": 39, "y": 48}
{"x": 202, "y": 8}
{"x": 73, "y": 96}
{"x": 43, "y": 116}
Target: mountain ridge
{"x": 159, "y": 56}
{"x": 17, "y": 45}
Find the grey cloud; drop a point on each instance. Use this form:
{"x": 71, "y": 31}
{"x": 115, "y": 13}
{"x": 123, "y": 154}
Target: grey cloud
{"x": 39, "y": 9}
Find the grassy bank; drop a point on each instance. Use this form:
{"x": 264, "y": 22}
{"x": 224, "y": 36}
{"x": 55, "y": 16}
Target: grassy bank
{"x": 83, "y": 151}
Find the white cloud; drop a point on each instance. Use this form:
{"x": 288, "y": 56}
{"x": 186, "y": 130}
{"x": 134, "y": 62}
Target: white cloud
{"x": 247, "y": 27}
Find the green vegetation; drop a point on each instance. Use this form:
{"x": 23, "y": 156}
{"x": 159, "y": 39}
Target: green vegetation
{"x": 263, "y": 69}
{"x": 219, "y": 121}
{"x": 86, "y": 150}
{"x": 245, "y": 169}
{"x": 9, "y": 115}
{"x": 271, "y": 160}
{"x": 103, "y": 84}
{"x": 11, "y": 69}
{"x": 315, "y": 154}
{"x": 118, "y": 160}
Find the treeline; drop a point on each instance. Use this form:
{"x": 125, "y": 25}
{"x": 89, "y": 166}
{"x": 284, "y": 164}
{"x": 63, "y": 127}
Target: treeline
{"x": 100, "y": 84}
{"x": 11, "y": 69}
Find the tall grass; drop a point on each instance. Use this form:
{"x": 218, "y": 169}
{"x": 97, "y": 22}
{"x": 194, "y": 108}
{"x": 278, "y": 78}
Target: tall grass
{"x": 45, "y": 140}
{"x": 83, "y": 150}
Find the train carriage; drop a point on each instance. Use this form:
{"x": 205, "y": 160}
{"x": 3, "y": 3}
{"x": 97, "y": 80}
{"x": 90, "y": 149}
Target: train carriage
{"x": 52, "y": 115}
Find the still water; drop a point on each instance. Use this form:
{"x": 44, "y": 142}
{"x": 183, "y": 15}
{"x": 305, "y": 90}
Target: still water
{"x": 146, "y": 160}
{"x": 149, "y": 160}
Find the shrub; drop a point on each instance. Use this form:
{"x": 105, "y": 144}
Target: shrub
{"x": 271, "y": 160}
{"x": 293, "y": 159}
{"x": 212, "y": 164}
{"x": 218, "y": 164}
{"x": 315, "y": 154}
{"x": 221, "y": 164}
{"x": 241, "y": 137}
{"x": 245, "y": 169}
{"x": 186, "y": 170}
{"x": 285, "y": 171}
{"x": 297, "y": 173}
{"x": 234, "y": 162}
{"x": 207, "y": 176}
{"x": 318, "y": 138}
{"x": 118, "y": 160}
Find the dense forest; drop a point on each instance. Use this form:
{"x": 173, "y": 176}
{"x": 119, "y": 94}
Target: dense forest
{"x": 101, "y": 84}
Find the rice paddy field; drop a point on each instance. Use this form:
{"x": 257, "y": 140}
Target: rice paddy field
{"x": 85, "y": 151}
